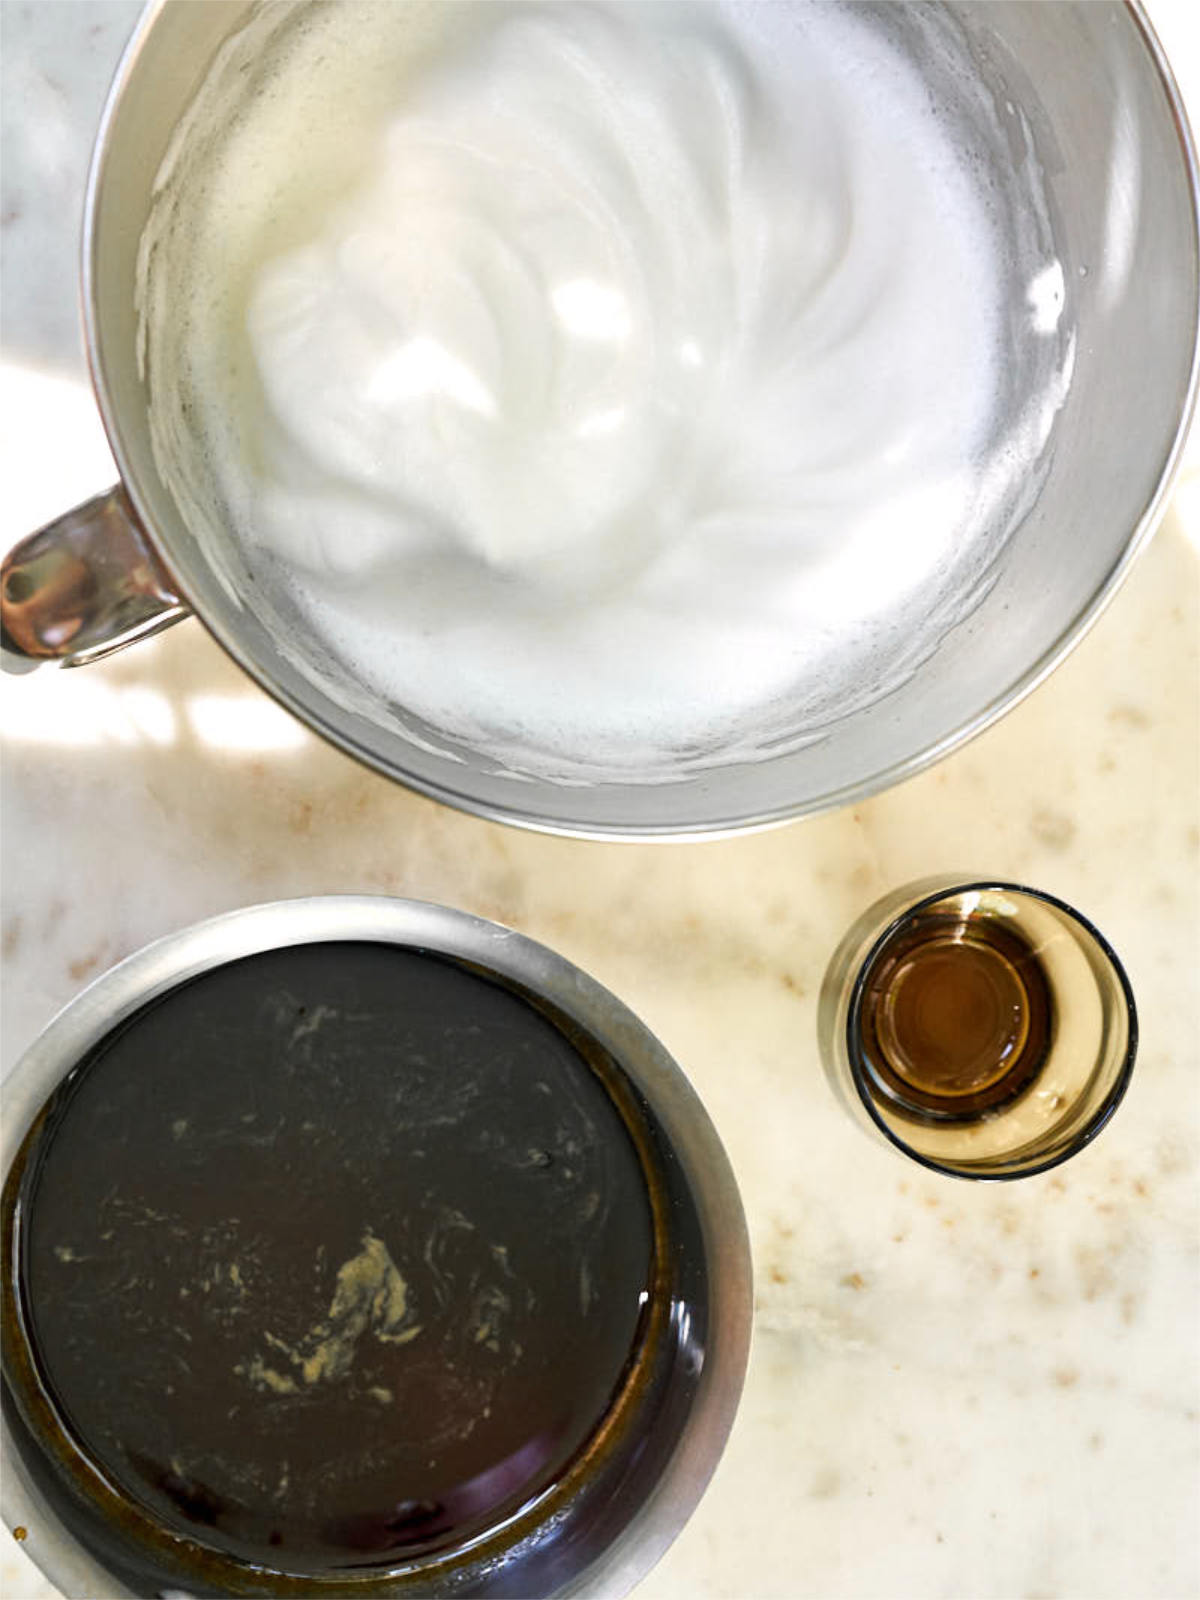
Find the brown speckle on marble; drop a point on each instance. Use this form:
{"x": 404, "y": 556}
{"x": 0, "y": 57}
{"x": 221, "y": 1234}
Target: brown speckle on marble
{"x": 1065, "y": 1377}
{"x": 777, "y": 1275}
{"x": 1129, "y": 1309}
{"x": 826, "y": 1483}
{"x": 10, "y": 940}
{"x": 1054, "y": 829}
{"x": 85, "y": 965}
{"x": 1096, "y": 1441}
{"x": 854, "y": 1280}
{"x": 1127, "y": 715}
{"x": 1095, "y": 1273}
{"x": 20, "y": 1534}
{"x": 1172, "y": 1156}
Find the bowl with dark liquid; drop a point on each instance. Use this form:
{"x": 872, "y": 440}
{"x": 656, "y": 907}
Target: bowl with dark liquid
{"x": 355, "y": 1246}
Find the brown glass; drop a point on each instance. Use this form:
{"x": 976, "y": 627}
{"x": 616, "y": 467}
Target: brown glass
{"x": 984, "y": 1028}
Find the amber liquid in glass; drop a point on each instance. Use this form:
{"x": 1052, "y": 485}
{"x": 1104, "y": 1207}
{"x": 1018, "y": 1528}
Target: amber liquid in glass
{"x": 957, "y": 1017}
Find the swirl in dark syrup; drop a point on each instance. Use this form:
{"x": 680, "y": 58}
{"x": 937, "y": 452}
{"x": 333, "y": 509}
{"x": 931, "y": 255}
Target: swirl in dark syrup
{"x": 335, "y": 1255}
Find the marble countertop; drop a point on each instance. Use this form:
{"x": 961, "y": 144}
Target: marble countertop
{"x": 955, "y": 1390}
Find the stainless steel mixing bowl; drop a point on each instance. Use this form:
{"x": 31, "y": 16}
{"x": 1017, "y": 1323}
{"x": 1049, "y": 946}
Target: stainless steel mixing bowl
{"x": 603, "y": 1532}
{"x": 1089, "y": 100}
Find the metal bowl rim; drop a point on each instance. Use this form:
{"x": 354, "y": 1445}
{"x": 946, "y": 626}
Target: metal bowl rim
{"x": 715, "y": 827}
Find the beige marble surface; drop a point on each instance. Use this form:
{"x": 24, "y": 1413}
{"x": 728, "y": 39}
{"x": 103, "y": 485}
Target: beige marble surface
{"x": 955, "y": 1390}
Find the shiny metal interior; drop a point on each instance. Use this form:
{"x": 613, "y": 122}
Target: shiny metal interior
{"x": 1108, "y": 130}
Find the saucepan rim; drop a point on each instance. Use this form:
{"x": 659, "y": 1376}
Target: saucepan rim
{"x": 425, "y": 926}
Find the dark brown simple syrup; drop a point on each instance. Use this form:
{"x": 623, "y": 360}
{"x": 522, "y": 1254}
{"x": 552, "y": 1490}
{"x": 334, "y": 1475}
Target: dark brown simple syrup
{"x": 336, "y": 1255}
{"x": 956, "y": 1017}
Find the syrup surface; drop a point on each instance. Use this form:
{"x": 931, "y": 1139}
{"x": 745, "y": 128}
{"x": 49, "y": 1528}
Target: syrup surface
{"x": 335, "y": 1254}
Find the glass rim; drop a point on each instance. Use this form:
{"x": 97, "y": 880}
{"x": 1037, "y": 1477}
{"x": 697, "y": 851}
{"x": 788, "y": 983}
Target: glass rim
{"x": 855, "y": 1054}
